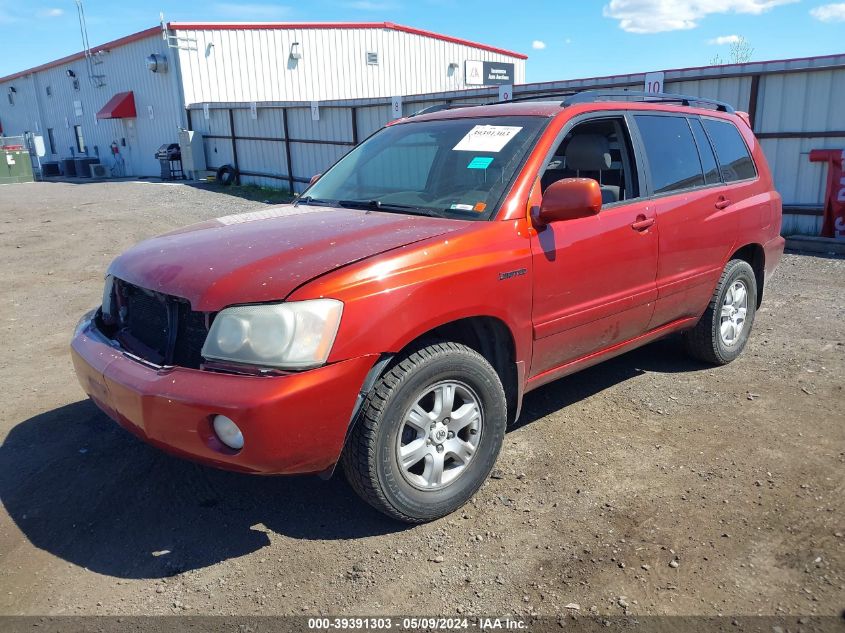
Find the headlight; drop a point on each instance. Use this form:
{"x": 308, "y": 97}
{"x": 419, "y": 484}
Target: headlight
{"x": 108, "y": 298}
{"x": 296, "y": 335}
{"x": 84, "y": 322}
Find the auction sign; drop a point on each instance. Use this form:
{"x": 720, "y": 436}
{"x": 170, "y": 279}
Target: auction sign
{"x": 834, "y": 204}
{"x": 488, "y": 73}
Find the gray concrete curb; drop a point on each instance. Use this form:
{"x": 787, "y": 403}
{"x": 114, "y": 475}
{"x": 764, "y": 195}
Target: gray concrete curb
{"x": 818, "y": 245}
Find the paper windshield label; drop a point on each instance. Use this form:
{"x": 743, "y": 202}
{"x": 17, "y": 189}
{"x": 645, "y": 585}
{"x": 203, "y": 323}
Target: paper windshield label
{"x": 487, "y": 138}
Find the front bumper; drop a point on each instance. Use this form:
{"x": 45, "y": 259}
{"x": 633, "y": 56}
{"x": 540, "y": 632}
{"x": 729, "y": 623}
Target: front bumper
{"x": 291, "y": 424}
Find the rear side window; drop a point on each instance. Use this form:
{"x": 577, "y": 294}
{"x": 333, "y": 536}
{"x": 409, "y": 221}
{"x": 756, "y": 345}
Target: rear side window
{"x": 671, "y": 151}
{"x": 734, "y": 159}
{"x": 705, "y": 151}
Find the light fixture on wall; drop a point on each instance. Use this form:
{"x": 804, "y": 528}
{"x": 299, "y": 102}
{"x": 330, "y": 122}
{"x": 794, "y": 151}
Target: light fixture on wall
{"x": 452, "y": 70}
{"x": 70, "y": 73}
{"x": 12, "y": 89}
{"x": 295, "y": 51}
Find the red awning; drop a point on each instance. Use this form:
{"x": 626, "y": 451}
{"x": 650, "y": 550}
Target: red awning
{"x": 120, "y": 106}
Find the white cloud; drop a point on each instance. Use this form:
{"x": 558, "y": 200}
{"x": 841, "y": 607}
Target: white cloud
{"x": 246, "y": 12}
{"x": 538, "y": 45}
{"x": 657, "y": 16}
{"x": 829, "y": 12}
{"x": 50, "y": 13}
{"x": 724, "y": 39}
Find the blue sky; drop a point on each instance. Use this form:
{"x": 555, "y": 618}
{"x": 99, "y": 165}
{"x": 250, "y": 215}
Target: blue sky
{"x": 564, "y": 40}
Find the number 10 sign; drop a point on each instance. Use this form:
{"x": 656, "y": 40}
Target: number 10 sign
{"x": 653, "y": 82}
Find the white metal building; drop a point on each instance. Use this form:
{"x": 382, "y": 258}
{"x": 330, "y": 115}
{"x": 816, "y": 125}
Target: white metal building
{"x": 213, "y": 62}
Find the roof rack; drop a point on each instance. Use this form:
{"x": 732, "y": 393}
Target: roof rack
{"x": 435, "y": 108}
{"x": 591, "y": 96}
{"x": 541, "y": 96}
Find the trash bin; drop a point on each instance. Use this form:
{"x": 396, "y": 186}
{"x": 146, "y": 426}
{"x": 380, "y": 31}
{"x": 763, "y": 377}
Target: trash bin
{"x": 15, "y": 165}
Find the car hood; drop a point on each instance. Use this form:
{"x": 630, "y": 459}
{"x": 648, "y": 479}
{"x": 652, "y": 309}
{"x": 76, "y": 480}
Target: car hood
{"x": 265, "y": 255}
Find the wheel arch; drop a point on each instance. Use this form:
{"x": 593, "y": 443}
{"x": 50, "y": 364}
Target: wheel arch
{"x": 755, "y": 255}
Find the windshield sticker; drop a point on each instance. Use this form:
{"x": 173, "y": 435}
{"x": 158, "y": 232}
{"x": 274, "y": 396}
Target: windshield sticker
{"x": 487, "y": 138}
{"x": 461, "y": 207}
{"x": 480, "y": 162}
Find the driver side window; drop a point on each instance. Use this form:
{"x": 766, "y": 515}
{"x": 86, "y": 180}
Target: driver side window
{"x": 599, "y": 149}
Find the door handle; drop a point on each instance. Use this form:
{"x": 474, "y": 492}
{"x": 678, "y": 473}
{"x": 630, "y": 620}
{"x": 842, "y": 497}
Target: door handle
{"x": 642, "y": 223}
{"x": 722, "y": 203}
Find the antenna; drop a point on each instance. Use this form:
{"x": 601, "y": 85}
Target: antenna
{"x": 91, "y": 59}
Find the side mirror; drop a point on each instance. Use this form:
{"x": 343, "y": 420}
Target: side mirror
{"x": 314, "y": 179}
{"x": 569, "y": 199}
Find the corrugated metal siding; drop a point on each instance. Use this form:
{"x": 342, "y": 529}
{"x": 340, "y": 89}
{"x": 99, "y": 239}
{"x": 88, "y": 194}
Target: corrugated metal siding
{"x": 802, "y": 102}
{"x": 124, "y": 69}
{"x": 254, "y": 65}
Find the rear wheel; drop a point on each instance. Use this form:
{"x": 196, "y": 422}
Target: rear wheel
{"x": 430, "y": 432}
{"x": 723, "y": 331}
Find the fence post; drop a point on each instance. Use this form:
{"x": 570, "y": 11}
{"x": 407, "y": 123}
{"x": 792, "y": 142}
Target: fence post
{"x": 287, "y": 147}
{"x": 234, "y": 145}
{"x": 354, "y": 112}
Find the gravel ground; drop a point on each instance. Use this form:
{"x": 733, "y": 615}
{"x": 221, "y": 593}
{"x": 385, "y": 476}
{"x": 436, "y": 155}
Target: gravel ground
{"x": 646, "y": 485}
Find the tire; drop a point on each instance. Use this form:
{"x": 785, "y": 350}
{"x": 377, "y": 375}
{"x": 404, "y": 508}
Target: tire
{"x": 706, "y": 341}
{"x": 227, "y": 175}
{"x": 371, "y": 459}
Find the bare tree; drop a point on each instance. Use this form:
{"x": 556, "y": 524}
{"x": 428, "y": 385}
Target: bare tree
{"x": 741, "y": 51}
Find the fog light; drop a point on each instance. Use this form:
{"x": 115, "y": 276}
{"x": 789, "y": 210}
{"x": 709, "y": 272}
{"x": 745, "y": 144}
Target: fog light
{"x": 228, "y": 432}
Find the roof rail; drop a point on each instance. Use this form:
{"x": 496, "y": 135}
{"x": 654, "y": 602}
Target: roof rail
{"x": 591, "y": 96}
{"x": 434, "y": 108}
{"x": 539, "y": 96}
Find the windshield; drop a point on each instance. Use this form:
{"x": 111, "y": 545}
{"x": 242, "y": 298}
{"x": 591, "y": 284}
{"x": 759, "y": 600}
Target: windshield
{"x": 454, "y": 168}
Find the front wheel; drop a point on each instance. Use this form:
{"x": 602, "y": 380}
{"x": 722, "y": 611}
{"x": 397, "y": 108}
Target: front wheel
{"x": 721, "y": 334}
{"x": 430, "y": 432}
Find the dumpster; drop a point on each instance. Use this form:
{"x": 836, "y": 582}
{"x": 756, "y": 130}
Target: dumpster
{"x": 15, "y": 165}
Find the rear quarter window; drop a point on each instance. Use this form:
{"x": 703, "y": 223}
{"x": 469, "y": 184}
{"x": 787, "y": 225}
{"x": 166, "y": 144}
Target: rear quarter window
{"x": 671, "y": 151}
{"x": 734, "y": 159}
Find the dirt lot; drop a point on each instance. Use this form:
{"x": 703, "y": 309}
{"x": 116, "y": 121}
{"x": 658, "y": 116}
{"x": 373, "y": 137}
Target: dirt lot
{"x": 649, "y": 481}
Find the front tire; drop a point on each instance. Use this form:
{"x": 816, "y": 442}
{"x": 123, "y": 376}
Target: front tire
{"x": 430, "y": 431}
{"x": 721, "y": 334}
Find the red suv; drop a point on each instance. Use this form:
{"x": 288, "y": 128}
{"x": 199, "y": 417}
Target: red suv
{"x": 393, "y": 318}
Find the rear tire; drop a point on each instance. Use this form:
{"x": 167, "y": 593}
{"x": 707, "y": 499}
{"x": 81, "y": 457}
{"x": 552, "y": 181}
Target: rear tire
{"x": 430, "y": 431}
{"x": 721, "y": 334}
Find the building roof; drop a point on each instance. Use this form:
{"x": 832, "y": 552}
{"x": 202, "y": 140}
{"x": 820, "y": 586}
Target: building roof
{"x": 252, "y": 26}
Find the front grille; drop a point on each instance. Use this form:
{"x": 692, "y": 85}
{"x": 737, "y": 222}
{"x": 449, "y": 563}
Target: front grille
{"x": 159, "y": 328}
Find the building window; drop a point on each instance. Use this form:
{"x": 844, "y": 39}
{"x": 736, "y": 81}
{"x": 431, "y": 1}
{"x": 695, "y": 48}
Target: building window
{"x": 80, "y": 139}
{"x": 52, "y": 140}
{"x": 372, "y": 59}
{"x": 49, "y": 91}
